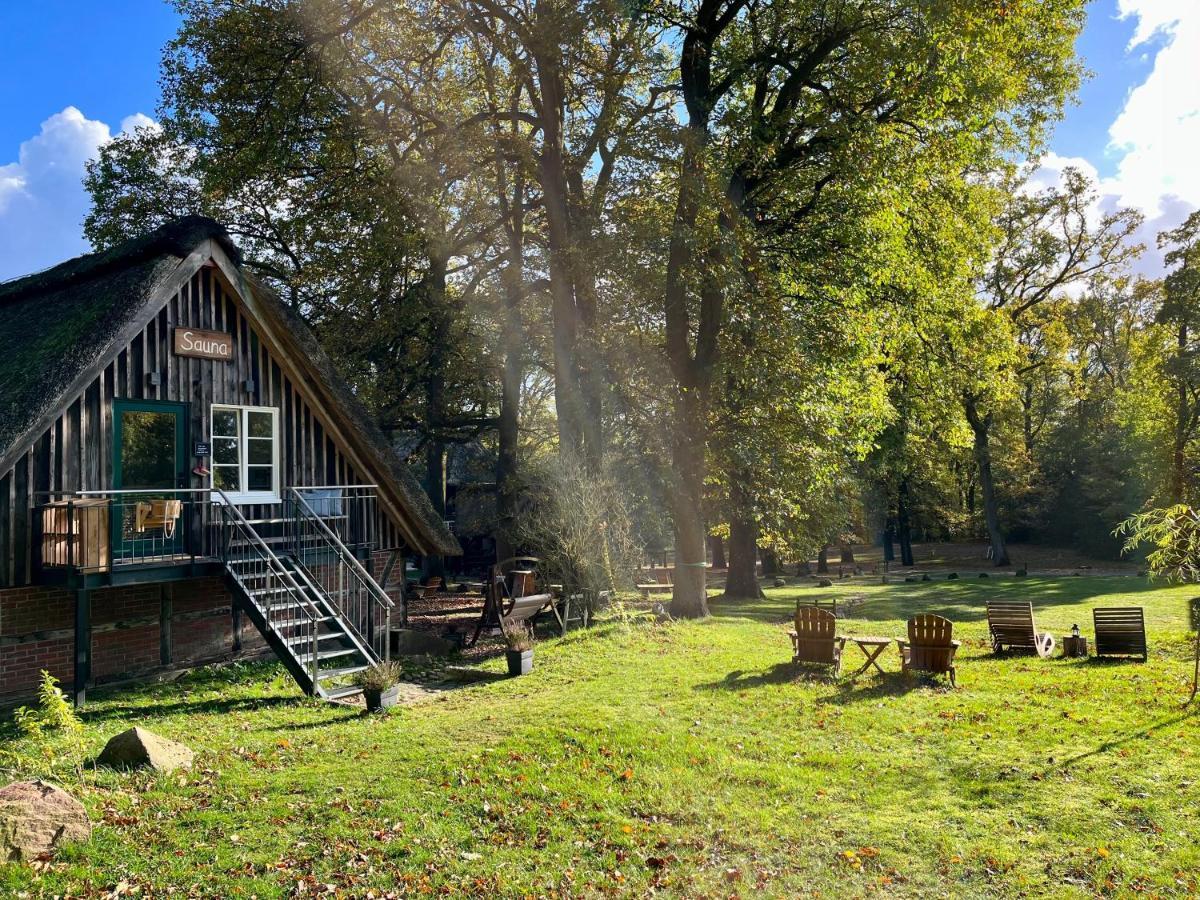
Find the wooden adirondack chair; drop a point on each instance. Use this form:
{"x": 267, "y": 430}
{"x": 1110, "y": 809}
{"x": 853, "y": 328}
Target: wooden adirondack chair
{"x": 930, "y": 647}
{"x": 1120, "y": 631}
{"x": 830, "y": 604}
{"x": 815, "y": 639}
{"x": 1011, "y": 625}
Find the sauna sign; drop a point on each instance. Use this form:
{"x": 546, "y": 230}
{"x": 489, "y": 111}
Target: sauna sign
{"x": 203, "y": 344}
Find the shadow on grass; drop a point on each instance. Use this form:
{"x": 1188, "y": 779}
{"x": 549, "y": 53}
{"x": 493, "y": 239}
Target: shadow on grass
{"x": 780, "y": 673}
{"x": 155, "y": 708}
{"x": 1116, "y": 743}
{"x": 963, "y": 600}
{"x": 892, "y": 684}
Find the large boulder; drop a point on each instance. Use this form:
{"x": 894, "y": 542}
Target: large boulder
{"x": 138, "y": 747}
{"x": 36, "y": 818}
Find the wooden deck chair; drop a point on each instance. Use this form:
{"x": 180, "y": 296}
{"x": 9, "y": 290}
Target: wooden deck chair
{"x": 815, "y": 639}
{"x": 830, "y": 604}
{"x": 1011, "y": 625}
{"x": 162, "y": 514}
{"x": 1120, "y": 631}
{"x": 930, "y": 647}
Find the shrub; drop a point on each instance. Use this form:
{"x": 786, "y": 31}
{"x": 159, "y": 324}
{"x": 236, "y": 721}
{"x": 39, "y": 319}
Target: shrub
{"x": 518, "y": 638}
{"x": 379, "y": 677}
{"x": 54, "y": 728}
{"x": 578, "y": 525}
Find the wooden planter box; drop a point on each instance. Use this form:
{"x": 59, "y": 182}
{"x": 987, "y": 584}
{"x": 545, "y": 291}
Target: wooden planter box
{"x": 81, "y": 539}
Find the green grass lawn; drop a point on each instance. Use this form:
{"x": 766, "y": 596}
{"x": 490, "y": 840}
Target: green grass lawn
{"x": 688, "y": 758}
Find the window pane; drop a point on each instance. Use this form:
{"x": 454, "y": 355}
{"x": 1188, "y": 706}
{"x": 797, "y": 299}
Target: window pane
{"x": 225, "y": 422}
{"x": 260, "y": 452}
{"x": 225, "y": 478}
{"x": 261, "y": 424}
{"x": 147, "y": 450}
{"x": 225, "y": 450}
{"x": 260, "y": 478}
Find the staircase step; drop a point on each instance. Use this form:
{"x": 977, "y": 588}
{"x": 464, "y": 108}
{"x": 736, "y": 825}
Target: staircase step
{"x": 296, "y": 622}
{"x": 263, "y": 592}
{"x": 307, "y": 639}
{"x": 267, "y": 539}
{"x": 326, "y": 654}
{"x": 341, "y": 693}
{"x": 332, "y": 674}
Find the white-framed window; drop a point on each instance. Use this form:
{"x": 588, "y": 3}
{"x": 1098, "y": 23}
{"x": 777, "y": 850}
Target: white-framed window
{"x": 245, "y": 452}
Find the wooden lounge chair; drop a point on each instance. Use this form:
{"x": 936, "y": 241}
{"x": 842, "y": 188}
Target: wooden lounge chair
{"x": 1011, "y": 625}
{"x": 930, "y": 647}
{"x": 1120, "y": 631}
{"x": 815, "y": 639}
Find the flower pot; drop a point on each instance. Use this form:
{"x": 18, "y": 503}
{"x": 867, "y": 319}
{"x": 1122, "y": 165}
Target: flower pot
{"x": 520, "y": 662}
{"x": 378, "y": 700}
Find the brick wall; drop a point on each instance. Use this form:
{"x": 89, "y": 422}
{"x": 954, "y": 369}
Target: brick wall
{"x": 129, "y": 625}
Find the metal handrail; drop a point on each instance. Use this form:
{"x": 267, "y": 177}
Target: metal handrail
{"x": 349, "y": 567}
{"x": 267, "y": 552}
{"x": 364, "y": 576}
{"x": 231, "y": 513}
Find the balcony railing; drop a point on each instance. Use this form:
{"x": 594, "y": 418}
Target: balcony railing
{"x": 97, "y": 531}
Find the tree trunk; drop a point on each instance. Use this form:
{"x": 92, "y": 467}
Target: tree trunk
{"x": 742, "y": 580}
{"x": 716, "y": 549}
{"x": 889, "y": 549}
{"x": 823, "y": 560}
{"x": 770, "y": 562}
{"x": 903, "y": 525}
{"x": 1027, "y": 417}
{"x": 847, "y": 555}
{"x": 568, "y": 395}
{"x": 1182, "y": 416}
{"x": 981, "y": 428}
{"x": 514, "y": 372}
{"x": 689, "y": 598}
{"x": 435, "y": 399}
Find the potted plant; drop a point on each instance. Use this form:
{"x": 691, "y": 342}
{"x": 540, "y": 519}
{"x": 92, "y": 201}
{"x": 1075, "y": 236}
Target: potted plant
{"x": 520, "y": 649}
{"x": 380, "y": 685}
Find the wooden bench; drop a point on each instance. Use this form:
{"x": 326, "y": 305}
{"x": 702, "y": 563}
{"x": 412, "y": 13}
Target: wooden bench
{"x": 508, "y": 597}
{"x": 1011, "y": 625}
{"x": 523, "y": 609}
{"x": 930, "y": 647}
{"x": 663, "y": 583}
{"x": 1120, "y": 631}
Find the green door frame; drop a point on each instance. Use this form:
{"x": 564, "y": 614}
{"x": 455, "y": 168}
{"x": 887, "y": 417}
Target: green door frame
{"x": 120, "y": 548}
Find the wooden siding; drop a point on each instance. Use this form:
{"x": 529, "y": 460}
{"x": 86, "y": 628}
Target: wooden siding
{"x": 75, "y": 453}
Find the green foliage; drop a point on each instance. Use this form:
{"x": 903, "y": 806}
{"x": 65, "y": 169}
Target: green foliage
{"x": 53, "y": 732}
{"x": 1173, "y": 534}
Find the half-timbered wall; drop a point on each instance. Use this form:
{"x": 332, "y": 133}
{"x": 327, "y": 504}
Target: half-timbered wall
{"x": 76, "y": 452}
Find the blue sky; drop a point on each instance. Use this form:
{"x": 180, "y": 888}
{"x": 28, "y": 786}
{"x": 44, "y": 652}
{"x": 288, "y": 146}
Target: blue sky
{"x": 75, "y": 72}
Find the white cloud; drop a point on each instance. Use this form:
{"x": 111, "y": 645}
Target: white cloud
{"x": 42, "y": 200}
{"x": 1158, "y": 131}
{"x": 1156, "y": 136}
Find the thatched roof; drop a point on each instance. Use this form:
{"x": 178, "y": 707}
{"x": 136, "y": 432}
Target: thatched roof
{"x": 57, "y": 325}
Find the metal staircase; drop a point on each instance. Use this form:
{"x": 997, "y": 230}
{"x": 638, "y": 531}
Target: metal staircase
{"x": 312, "y": 600}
